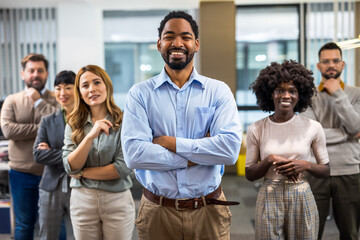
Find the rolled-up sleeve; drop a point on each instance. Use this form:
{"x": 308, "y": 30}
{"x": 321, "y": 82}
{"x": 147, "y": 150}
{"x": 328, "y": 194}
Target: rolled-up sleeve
{"x": 68, "y": 147}
{"x": 119, "y": 162}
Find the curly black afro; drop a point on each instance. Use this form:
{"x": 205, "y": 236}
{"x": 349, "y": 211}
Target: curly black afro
{"x": 275, "y": 74}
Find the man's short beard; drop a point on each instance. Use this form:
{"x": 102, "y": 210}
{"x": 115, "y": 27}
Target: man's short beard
{"x": 41, "y": 87}
{"x": 327, "y": 77}
{"x": 178, "y": 65}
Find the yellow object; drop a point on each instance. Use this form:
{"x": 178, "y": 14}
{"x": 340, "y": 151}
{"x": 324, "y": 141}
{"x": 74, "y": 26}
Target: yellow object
{"x": 240, "y": 165}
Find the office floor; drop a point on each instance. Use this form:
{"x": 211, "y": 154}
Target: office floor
{"x": 236, "y": 188}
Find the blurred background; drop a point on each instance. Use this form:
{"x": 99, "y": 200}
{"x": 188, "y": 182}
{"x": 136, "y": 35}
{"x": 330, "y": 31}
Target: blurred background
{"x": 238, "y": 38}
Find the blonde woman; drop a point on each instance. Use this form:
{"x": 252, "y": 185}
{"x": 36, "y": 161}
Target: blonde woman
{"x": 101, "y": 203}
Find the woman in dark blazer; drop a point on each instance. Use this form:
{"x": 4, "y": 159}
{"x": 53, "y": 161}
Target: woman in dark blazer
{"x": 54, "y": 200}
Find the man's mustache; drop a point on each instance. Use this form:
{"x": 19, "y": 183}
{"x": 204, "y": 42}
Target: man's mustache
{"x": 177, "y": 49}
{"x": 35, "y": 79}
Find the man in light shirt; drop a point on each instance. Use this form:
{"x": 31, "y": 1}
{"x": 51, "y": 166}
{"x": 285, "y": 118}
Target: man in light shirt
{"x": 179, "y": 130}
{"x": 337, "y": 107}
{"x": 20, "y": 117}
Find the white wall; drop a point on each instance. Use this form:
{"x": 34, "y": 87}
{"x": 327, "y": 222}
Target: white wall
{"x": 80, "y": 25}
{"x": 80, "y": 36}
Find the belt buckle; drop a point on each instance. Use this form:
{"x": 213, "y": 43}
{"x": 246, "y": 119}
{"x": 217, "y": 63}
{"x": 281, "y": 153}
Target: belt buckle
{"x": 177, "y": 203}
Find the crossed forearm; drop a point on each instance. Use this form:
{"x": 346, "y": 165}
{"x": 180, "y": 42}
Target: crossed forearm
{"x": 169, "y": 143}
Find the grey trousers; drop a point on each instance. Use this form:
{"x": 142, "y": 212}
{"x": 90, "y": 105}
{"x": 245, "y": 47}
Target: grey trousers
{"x": 53, "y": 206}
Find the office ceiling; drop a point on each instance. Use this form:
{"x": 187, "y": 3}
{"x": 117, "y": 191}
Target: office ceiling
{"x": 139, "y": 4}
{"x": 106, "y": 4}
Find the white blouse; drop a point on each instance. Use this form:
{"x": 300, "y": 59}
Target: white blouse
{"x": 298, "y": 138}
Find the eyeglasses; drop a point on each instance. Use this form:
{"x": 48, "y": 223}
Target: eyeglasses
{"x": 327, "y": 61}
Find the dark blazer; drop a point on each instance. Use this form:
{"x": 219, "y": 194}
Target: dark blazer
{"x": 51, "y": 131}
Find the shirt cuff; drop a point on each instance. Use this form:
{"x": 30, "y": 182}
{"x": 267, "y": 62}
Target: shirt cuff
{"x": 37, "y": 102}
{"x": 68, "y": 168}
{"x": 184, "y": 147}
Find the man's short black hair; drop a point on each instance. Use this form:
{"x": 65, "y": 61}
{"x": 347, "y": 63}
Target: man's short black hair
{"x": 65, "y": 77}
{"x": 330, "y": 46}
{"x": 183, "y": 15}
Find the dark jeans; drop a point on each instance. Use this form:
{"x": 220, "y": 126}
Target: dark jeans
{"x": 63, "y": 231}
{"x": 24, "y": 189}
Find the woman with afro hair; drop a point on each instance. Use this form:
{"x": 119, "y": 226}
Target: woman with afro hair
{"x": 279, "y": 148}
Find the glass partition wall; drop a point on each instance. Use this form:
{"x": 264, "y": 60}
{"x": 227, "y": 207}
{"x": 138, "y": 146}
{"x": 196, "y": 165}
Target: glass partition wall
{"x": 267, "y": 33}
{"x": 327, "y": 22}
{"x": 131, "y": 54}
{"x": 264, "y": 34}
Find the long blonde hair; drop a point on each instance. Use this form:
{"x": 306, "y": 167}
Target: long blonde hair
{"x": 78, "y": 116}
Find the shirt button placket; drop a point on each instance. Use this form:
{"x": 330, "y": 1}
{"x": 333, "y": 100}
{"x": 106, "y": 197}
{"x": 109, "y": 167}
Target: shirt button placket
{"x": 181, "y": 132}
{"x": 180, "y": 107}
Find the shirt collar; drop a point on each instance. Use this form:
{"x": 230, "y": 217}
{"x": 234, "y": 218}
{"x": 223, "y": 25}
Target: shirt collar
{"x": 164, "y": 77}
{"x": 88, "y": 120}
{"x": 321, "y": 86}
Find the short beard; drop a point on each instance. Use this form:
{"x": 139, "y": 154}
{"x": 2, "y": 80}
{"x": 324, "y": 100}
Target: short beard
{"x": 41, "y": 87}
{"x": 178, "y": 65}
{"x": 327, "y": 77}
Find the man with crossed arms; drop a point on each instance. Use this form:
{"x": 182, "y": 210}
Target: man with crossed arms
{"x": 179, "y": 130}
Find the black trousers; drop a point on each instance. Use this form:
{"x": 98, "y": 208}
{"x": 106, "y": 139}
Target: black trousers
{"x": 345, "y": 194}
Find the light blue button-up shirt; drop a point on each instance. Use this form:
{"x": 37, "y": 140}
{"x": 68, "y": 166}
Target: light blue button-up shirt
{"x": 158, "y": 107}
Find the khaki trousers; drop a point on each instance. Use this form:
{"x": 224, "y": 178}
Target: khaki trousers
{"x": 156, "y": 222}
{"x": 97, "y": 214}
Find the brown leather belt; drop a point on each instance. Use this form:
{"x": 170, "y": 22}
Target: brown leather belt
{"x": 188, "y": 203}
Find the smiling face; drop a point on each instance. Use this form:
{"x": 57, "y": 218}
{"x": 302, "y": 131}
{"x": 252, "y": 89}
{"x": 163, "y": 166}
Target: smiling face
{"x": 330, "y": 64}
{"x": 285, "y": 97}
{"x": 177, "y": 44}
{"x": 35, "y": 75}
{"x": 64, "y": 94}
{"x": 92, "y": 89}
